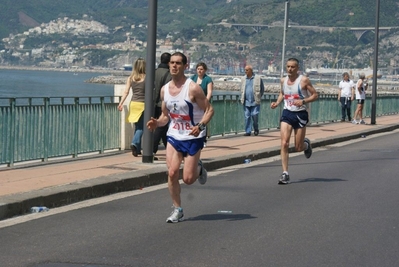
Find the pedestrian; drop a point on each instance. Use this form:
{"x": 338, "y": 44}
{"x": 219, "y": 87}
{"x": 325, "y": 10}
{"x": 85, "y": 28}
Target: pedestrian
{"x": 345, "y": 96}
{"x": 361, "y": 87}
{"x": 136, "y": 82}
{"x": 162, "y": 77}
{"x": 296, "y": 92}
{"x": 186, "y": 108}
{"x": 252, "y": 90}
{"x": 206, "y": 84}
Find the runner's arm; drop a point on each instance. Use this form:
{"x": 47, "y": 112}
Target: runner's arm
{"x": 280, "y": 97}
{"x": 163, "y": 119}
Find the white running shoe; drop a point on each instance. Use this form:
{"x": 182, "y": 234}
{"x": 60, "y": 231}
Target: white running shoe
{"x": 285, "y": 179}
{"x": 203, "y": 173}
{"x": 176, "y": 216}
{"x": 355, "y": 122}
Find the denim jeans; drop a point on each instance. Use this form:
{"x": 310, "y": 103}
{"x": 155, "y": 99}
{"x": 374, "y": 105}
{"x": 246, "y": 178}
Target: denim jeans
{"x": 251, "y": 113}
{"x": 346, "y": 107}
{"x": 138, "y": 132}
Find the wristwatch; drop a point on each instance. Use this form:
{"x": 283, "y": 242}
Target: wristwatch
{"x": 303, "y": 101}
{"x": 201, "y": 126}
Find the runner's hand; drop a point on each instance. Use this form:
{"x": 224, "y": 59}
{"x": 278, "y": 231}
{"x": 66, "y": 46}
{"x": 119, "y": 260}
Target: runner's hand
{"x": 152, "y": 124}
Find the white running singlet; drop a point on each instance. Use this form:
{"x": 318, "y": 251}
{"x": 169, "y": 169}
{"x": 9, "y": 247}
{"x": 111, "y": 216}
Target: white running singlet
{"x": 183, "y": 114}
{"x": 293, "y": 92}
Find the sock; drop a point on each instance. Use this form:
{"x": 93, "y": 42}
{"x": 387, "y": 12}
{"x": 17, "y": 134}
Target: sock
{"x": 285, "y": 172}
{"x": 306, "y": 145}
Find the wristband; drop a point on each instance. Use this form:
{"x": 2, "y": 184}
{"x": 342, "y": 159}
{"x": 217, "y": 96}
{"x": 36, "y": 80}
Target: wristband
{"x": 201, "y": 126}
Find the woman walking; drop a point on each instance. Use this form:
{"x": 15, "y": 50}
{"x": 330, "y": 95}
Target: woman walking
{"x": 136, "y": 82}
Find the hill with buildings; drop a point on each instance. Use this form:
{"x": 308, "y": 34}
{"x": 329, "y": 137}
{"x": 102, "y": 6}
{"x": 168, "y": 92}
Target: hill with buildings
{"x": 224, "y": 33}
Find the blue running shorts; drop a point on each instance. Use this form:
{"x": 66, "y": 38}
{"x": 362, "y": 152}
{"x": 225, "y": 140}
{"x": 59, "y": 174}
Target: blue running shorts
{"x": 297, "y": 119}
{"x": 190, "y": 147}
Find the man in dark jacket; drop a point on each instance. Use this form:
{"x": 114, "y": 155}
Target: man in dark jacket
{"x": 162, "y": 77}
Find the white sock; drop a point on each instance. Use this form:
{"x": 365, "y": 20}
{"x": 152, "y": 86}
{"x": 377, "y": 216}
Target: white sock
{"x": 306, "y": 145}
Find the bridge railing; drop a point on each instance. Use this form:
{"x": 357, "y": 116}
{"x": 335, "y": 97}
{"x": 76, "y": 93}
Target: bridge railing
{"x": 41, "y": 129}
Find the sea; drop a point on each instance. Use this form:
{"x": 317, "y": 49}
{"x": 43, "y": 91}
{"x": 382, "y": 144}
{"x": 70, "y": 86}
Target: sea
{"x": 35, "y": 83}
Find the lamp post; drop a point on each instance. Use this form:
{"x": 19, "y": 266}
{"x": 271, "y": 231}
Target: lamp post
{"x": 148, "y": 156}
{"x": 375, "y": 64}
{"x": 287, "y": 5}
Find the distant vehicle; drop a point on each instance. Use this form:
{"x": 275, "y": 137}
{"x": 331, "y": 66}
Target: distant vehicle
{"x": 236, "y": 79}
{"x": 128, "y": 67}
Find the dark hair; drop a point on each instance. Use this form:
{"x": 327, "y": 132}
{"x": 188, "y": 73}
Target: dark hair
{"x": 345, "y": 73}
{"x": 293, "y": 59}
{"x": 165, "y": 58}
{"x": 183, "y": 57}
{"x": 202, "y": 64}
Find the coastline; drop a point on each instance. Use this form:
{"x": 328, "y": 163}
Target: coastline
{"x": 94, "y": 70}
{"x": 119, "y": 77}
{"x": 327, "y": 89}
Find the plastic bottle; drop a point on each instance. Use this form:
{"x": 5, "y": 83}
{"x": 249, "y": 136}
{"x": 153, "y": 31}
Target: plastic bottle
{"x": 247, "y": 161}
{"x": 38, "y": 209}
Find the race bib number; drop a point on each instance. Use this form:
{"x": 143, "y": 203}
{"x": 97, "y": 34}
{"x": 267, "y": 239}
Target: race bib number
{"x": 182, "y": 127}
{"x": 289, "y": 99}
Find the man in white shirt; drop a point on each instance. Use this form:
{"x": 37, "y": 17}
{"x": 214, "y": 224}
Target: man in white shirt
{"x": 345, "y": 96}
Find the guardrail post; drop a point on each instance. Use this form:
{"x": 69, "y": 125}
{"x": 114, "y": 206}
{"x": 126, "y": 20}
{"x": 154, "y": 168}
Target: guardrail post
{"x": 76, "y": 134}
{"x": 12, "y": 132}
{"x": 46, "y": 127}
{"x": 102, "y": 126}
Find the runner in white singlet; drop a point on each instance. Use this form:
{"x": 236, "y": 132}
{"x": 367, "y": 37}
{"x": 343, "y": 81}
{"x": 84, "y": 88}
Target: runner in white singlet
{"x": 296, "y": 91}
{"x": 185, "y": 105}
{"x": 183, "y": 114}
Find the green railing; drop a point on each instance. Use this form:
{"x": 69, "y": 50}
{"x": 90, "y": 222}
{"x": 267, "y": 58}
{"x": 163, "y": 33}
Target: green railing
{"x": 35, "y": 129}
{"x": 229, "y": 113}
{"x": 44, "y": 128}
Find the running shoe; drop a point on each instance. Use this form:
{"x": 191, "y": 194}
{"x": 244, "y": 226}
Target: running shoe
{"x": 355, "y": 122}
{"x": 203, "y": 173}
{"x": 308, "y": 151}
{"x": 285, "y": 179}
{"x": 362, "y": 122}
{"x": 176, "y": 216}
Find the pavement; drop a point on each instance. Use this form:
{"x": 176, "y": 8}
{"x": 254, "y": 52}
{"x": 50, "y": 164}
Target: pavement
{"x": 59, "y": 183}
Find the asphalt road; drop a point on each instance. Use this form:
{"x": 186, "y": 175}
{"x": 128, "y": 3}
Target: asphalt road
{"x": 341, "y": 209}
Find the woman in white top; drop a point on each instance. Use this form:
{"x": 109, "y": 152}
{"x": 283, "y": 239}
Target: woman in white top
{"x": 361, "y": 87}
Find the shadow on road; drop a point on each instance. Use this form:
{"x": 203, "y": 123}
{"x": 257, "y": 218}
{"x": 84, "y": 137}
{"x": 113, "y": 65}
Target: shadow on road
{"x": 227, "y": 217}
{"x": 318, "y": 180}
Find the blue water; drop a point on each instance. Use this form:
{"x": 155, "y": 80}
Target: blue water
{"x": 29, "y": 83}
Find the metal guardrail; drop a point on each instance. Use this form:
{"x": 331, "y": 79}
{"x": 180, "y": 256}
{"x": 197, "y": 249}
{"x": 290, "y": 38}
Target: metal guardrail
{"x": 229, "y": 113}
{"x": 46, "y": 128}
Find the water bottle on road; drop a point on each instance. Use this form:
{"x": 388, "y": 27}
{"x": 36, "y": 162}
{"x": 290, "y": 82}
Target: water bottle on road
{"x": 38, "y": 209}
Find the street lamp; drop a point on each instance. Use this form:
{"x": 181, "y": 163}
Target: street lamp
{"x": 287, "y": 4}
{"x": 375, "y": 64}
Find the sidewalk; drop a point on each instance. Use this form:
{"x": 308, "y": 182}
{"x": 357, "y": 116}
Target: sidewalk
{"x": 59, "y": 184}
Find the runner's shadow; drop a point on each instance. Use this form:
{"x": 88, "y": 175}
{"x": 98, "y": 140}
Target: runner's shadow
{"x": 219, "y": 217}
{"x": 318, "y": 180}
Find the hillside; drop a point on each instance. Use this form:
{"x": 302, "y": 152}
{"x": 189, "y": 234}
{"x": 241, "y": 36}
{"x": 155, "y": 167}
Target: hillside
{"x": 193, "y": 14}
{"x": 191, "y": 19}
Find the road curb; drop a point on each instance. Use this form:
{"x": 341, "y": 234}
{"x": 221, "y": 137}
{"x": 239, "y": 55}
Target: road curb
{"x": 19, "y": 204}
